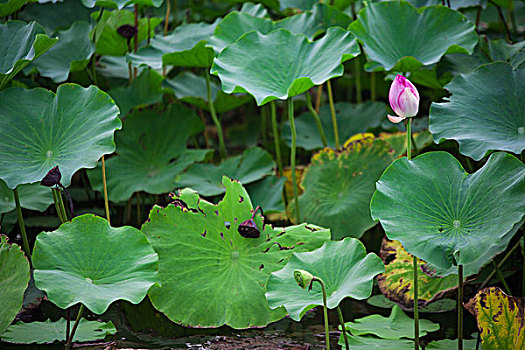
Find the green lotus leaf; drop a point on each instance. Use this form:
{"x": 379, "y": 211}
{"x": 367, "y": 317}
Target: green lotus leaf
{"x": 370, "y": 343}
{"x": 228, "y": 274}
{"x": 281, "y": 64}
{"x": 456, "y": 5}
{"x": 151, "y": 151}
{"x": 345, "y": 268}
{"x": 257, "y": 10}
{"x": 304, "y": 5}
{"x": 87, "y": 261}
{"x": 444, "y": 215}
{"x": 398, "y": 325}
{"x": 338, "y": 186}
{"x": 268, "y": 194}
{"x": 191, "y": 88}
{"x": 497, "y": 122}
{"x": 14, "y": 278}
{"x": 70, "y": 54}
{"x": 398, "y": 141}
{"x": 351, "y": 119}
{"x": 441, "y": 305}
{"x": 207, "y": 179}
{"x": 398, "y": 36}
{"x": 8, "y": 7}
{"x": 398, "y": 280}
{"x": 32, "y": 197}
{"x": 273, "y": 4}
{"x": 119, "y": 4}
{"x": 21, "y": 44}
{"x": 40, "y": 130}
{"x": 447, "y": 344}
{"x": 50, "y": 332}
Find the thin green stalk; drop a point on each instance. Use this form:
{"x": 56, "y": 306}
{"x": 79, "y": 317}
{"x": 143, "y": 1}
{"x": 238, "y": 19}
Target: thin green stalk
{"x": 61, "y": 204}
{"x": 292, "y": 159}
{"x": 332, "y": 112}
{"x": 342, "y": 322}
{"x": 357, "y": 74}
{"x": 316, "y": 118}
{"x": 409, "y": 138}
{"x": 264, "y": 122}
{"x": 500, "y": 264}
{"x": 460, "y": 307}
{"x": 25, "y": 242}
{"x": 415, "y": 266}
{"x": 373, "y": 86}
{"x": 57, "y": 205}
{"x": 276, "y": 139}
{"x": 73, "y": 330}
{"x": 222, "y": 147}
{"x": 106, "y": 201}
{"x": 325, "y": 312}
{"x": 138, "y": 210}
{"x": 501, "y": 278}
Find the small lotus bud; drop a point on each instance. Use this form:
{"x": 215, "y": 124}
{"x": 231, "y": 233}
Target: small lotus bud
{"x": 404, "y": 99}
{"x": 52, "y": 177}
{"x": 127, "y": 31}
{"x": 248, "y": 229}
{"x": 303, "y": 278}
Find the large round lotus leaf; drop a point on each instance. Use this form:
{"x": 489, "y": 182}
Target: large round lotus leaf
{"x": 447, "y": 344}
{"x": 70, "y": 54}
{"x": 281, "y": 64}
{"x": 8, "y": 7}
{"x": 87, "y": 261}
{"x": 227, "y": 276}
{"x": 32, "y": 197}
{"x": 351, "y": 119}
{"x": 207, "y": 179}
{"x": 398, "y": 325}
{"x": 40, "y": 130}
{"x": 191, "y": 88}
{"x": 446, "y": 216}
{"x": 396, "y": 35}
{"x": 116, "y": 67}
{"x": 498, "y": 120}
{"x": 398, "y": 280}
{"x": 500, "y": 319}
{"x": 257, "y": 10}
{"x": 357, "y": 342}
{"x": 21, "y": 43}
{"x": 119, "y": 4}
{"x": 441, "y": 305}
{"x": 151, "y": 151}
{"x": 344, "y": 267}
{"x": 49, "y": 332}
{"x": 14, "y": 277}
{"x": 338, "y": 186}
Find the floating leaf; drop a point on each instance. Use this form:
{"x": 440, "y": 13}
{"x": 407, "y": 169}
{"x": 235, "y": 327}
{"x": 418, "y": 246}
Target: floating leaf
{"x": 151, "y": 151}
{"x": 252, "y": 165}
{"x": 228, "y": 274}
{"x": 14, "y": 278}
{"x": 281, "y": 64}
{"x": 497, "y": 122}
{"x": 370, "y": 343}
{"x": 445, "y": 216}
{"x": 32, "y": 197}
{"x": 40, "y": 130}
{"x": 338, "y": 186}
{"x": 500, "y": 319}
{"x": 257, "y": 10}
{"x": 119, "y": 4}
{"x": 396, "y": 35}
{"x": 447, "y": 344}
{"x": 8, "y": 7}
{"x": 345, "y": 268}
{"x": 268, "y": 193}
{"x": 87, "y": 261}
{"x": 442, "y": 305}
{"x": 50, "y": 332}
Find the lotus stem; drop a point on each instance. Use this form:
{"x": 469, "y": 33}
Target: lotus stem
{"x": 357, "y": 72}
{"x": 222, "y": 147}
{"x": 318, "y": 98}
{"x": 409, "y": 138}
{"x": 292, "y": 159}
{"x": 276, "y": 138}
{"x": 25, "y": 242}
{"x": 68, "y": 323}
{"x": 316, "y": 118}
{"x": 138, "y": 209}
{"x": 106, "y": 202}
{"x": 342, "y": 322}
{"x": 325, "y": 311}
{"x": 167, "y": 18}
{"x": 332, "y": 112}
{"x": 264, "y": 123}
{"x": 73, "y": 330}
{"x": 416, "y": 302}
{"x": 373, "y": 86}
{"x": 500, "y": 264}
{"x": 57, "y": 205}
{"x": 501, "y": 278}
{"x": 61, "y": 204}
{"x": 503, "y": 22}
{"x": 460, "y": 307}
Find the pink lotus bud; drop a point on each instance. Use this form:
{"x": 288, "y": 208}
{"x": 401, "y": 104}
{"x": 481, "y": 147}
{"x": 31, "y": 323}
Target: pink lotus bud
{"x": 404, "y": 99}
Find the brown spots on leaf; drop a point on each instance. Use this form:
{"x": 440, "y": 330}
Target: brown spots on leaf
{"x": 204, "y": 233}
{"x": 261, "y": 267}
{"x": 241, "y": 199}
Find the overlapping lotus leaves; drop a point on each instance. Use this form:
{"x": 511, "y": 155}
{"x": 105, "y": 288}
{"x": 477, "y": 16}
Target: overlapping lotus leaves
{"x": 304, "y": 5}
{"x": 21, "y": 43}
{"x": 227, "y": 277}
{"x": 184, "y": 47}
{"x": 398, "y": 280}
{"x": 70, "y": 54}
{"x": 54, "y": 16}
{"x": 151, "y": 151}
{"x": 485, "y": 112}
{"x": 398, "y": 325}
{"x": 40, "y": 130}
{"x": 441, "y": 305}
{"x": 49, "y": 332}
{"x": 273, "y": 4}
{"x": 119, "y": 4}
{"x": 11, "y": 6}
{"x": 351, "y": 119}
{"x": 87, "y": 261}
{"x": 191, "y": 88}
{"x": 207, "y": 179}
{"x": 357, "y": 342}
{"x": 456, "y": 5}
{"x": 268, "y": 194}
{"x": 14, "y": 277}
{"x": 32, "y": 197}
{"x": 338, "y": 186}
{"x": 396, "y": 35}
{"x": 257, "y": 10}
{"x": 345, "y": 268}
{"x": 446, "y": 216}
{"x": 500, "y": 319}
{"x": 281, "y": 64}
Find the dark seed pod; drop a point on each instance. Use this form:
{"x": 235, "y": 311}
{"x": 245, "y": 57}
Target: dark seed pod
{"x": 248, "y": 229}
{"x": 52, "y": 177}
{"x": 127, "y": 31}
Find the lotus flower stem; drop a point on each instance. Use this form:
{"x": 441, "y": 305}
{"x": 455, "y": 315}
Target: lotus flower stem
{"x": 25, "y": 242}
{"x": 489, "y": 277}
{"x": 342, "y": 322}
{"x": 106, "y": 202}
{"x": 501, "y": 278}
{"x": 372, "y": 86}
{"x": 416, "y": 303}
{"x": 57, "y": 205}
{"x": 318, "y": 98}
{"x": 357, "y": 73}
{"x": 61, "y": 203}
{"x": 222, "y": 147}
{"x": 292, "y": 160}
{"x": 276, "y": 139}
{"x": 409, "y": 139}
{"x": 460, "y": 307}
{"x": 332, "y": 112}
{"x": 73, "y": 330}
{"x": 325, "y": 311}
{"x": 316, "y": 118}
{"x": 167, "y": 18}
